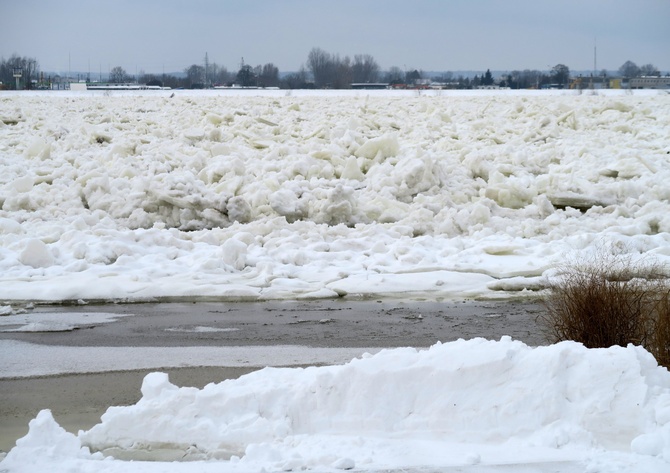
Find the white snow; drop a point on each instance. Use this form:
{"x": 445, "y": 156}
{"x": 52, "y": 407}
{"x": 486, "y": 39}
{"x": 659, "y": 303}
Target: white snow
{"x": 272, "y": 195}
{"x": 475, "y": 404}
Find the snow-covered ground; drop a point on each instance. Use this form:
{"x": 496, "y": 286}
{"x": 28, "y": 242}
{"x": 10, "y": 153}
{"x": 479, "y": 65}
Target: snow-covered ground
{"x": 274, "y": 195}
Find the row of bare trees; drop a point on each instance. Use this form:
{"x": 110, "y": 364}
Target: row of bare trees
{"x": 630, "y": 70}
{"x": 29, "y": 70}
{"x": 332, "y": 71}
{"x": 322, "y": 70}
{"x": 197, "y": 76}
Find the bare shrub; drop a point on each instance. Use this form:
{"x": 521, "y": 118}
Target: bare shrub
{"x": 611, "y": 299}
{"x": 660, "y": 336}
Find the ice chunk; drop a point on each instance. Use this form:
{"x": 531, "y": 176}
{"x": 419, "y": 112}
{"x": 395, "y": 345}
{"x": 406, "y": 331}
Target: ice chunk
{"x": 38, "y": 148}
{"x": 352, "y": 170}
{"x": 234, "y": 253}
{"x": 154, "y": 384}
{"x": 384, "y": 146}
{"x": 238, "y": 209}
{"x": 36, "y": 254}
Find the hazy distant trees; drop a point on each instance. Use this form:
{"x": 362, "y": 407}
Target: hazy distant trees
{"x": 297, "y": 80}
{"x": 217, "y": 75}
{"x": 118, "y": 75}
{"x": 29, "y": 67}
{"x": 198, "y": 76}
{"x": 343, "y": 76}
{"x": 560, "y": 73}
{"x": 195, "y": 75}
{"x": 364, "y": 69}
{"x": 335, "y": 72}
{"x": 394, "y": 75}
{"x": 321, "y": 70}
{"x": 320, "y": 64}
{"x": 150, "y": 79}
{"x": 525, "y": 79}
{"x": 246, "y": 76}
{"x": 649, "y": 70}
{"x": 173, "y": 82}
{"x": 532, "y": 78}
{"x": 629, "y": 70}
{"x": 487, "y": 79}
{"x": 268, "y": 75}
{"x": 412, "y": 77}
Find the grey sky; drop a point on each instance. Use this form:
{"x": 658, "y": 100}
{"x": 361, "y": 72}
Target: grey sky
{"x": 437, "y": 35}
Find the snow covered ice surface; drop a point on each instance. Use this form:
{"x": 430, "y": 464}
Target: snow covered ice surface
{"x": 49, "y": 322}
{"x": 275, "y": 195}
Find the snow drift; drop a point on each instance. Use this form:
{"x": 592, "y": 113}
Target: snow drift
{"x": 466, "y": 402}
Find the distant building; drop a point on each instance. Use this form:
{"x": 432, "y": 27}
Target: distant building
{"x": 369, "y": 85}
{"x": 81, "y": 86}
{"x": 649, "y": 82}
{"x": 491, "y": 87}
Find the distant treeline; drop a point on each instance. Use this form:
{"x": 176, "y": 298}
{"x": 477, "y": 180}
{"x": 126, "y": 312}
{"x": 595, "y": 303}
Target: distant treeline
{"x": 322, "y": 70}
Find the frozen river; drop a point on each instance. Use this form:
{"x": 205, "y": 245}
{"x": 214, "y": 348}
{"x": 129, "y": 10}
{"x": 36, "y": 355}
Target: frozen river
{"x": 328, "y": 199}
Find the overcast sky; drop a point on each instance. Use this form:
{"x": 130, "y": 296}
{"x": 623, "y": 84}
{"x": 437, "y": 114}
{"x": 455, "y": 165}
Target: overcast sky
{"x": 431, "y": 35}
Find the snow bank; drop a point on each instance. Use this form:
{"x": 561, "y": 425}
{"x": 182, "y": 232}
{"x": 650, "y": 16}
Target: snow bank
{"x": 460, "y": 403}
{"x": 273, "y": 196}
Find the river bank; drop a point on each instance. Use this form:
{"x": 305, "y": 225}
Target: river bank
{"x": 79, "y": 372}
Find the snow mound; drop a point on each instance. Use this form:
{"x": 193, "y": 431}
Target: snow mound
{"x": 478, "y": 400}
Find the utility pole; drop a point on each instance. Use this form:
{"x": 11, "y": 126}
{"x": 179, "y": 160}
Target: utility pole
{"x": 595, "y": 56}
{"x": 206, "y": 70}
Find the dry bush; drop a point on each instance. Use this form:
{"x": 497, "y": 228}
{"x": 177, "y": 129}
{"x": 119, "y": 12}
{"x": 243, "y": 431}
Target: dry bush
{"x": 611, "y": 299}
{"x": 660, "y": 336}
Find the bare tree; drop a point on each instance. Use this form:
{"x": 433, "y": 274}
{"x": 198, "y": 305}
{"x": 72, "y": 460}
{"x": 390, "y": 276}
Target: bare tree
{"x": 446, "y": 77}
{"x": 196, "y": 76}
{"x": 412, "y": 77}
{"x": 320, "y": 63}
{"x": 394, "y": 75}
{"x": 342, "y": 75}
{"x": 364, "y": 69}
{"x": 526, "y": 79}
{"x": 118, "y": 75}
{"x": 329, "y": 70}
{"x": 629, "y": 70}
{"x": 268, "y": 75}
{"x": 297, "y": 80}
{"x": 246, "y": 77}
{"x": 29, "y": 68}
{"x": 561, "y": 74}
{"x": 649, "y": 70}
{"x": 150, "y": 79}
{"x": 219, "y": 74}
